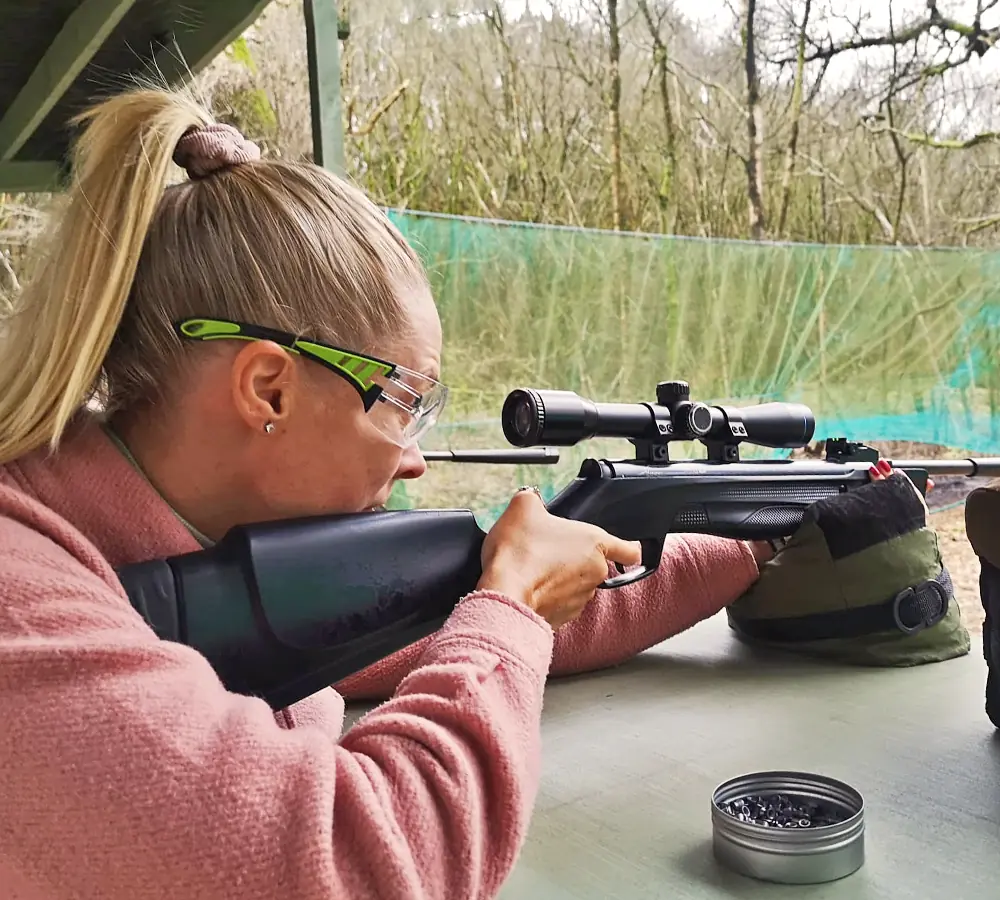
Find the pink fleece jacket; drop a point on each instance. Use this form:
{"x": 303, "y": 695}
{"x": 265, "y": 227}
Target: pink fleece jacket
{"x": 128, "y": 772}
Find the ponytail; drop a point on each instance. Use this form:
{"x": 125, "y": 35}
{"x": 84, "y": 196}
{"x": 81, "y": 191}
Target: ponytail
{"x": 54, "y": 346}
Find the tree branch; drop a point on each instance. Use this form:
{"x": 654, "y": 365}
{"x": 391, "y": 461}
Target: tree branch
{"x": 877, "y": 125}
{"x": 978, "y": 40}
{"x": 379, "y": 111}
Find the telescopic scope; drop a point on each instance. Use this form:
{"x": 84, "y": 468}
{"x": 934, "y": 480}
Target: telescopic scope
{"x": 532, "y": 417}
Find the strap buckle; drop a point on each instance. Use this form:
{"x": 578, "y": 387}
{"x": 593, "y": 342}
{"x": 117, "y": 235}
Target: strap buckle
{"x": 920, "y": 607}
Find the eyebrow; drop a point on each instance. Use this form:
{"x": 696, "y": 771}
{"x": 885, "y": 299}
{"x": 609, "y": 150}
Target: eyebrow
{"x": 432, "y": 371}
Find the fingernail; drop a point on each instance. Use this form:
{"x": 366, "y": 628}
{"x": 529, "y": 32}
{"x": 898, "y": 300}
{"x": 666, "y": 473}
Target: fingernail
{"x": 884, "y": 466}
{"x": 874, "y": 471}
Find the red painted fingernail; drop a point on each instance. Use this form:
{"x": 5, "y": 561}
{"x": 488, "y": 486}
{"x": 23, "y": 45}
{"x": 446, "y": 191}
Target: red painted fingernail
{"x": 874, "y": 471}
{"x": 884, "y": 466}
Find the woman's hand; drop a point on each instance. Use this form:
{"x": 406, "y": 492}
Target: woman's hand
{"x": 763, "y": 551}
{"x": 882, "y": 470}
{"x": 552, "y": 565}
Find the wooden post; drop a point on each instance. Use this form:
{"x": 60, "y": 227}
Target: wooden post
{"x": 323, "y": 50}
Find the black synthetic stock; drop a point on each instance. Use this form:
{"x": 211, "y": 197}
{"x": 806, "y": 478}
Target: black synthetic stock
{"x": 282, "y": 610}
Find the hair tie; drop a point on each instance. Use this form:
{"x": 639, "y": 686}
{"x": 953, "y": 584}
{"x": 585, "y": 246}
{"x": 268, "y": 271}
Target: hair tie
{"x": 202, "y": 151}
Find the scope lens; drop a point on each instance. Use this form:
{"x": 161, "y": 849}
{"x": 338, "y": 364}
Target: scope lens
{"x": 524, "y": 418}
{"x": 561, "y": 418}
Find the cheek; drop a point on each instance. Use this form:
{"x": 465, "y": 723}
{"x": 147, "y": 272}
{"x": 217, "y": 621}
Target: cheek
{"x": 346, "y": 468}
{"x": 375, "y": 460}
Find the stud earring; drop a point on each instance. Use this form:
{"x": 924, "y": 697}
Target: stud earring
{"x": 269, "y": 427}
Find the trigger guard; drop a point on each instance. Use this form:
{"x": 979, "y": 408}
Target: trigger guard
{"x": 652, "y": 551}
{"x": 626, "y": 577}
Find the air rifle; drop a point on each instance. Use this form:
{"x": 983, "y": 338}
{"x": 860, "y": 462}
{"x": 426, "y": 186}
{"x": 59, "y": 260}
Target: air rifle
{"x": 284, "y": 609}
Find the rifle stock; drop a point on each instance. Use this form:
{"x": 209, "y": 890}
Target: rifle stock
{"x": 282, "y": 610}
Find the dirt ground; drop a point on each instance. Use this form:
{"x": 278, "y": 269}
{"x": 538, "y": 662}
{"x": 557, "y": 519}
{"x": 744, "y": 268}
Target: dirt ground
{"x": 961, "y": 563}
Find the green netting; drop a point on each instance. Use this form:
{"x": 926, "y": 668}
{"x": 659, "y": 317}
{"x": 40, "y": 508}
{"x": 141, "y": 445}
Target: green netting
{"x": 882, "y": 343}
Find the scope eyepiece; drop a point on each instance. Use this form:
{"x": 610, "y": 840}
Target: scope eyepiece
{"x": 523, "y": 418}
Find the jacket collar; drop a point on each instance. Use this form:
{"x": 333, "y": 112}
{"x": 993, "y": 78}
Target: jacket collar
{"x": 97, "y": 490}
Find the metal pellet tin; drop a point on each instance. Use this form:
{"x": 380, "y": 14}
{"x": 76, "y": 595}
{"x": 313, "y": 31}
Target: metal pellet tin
{"x": 785, "y": 850}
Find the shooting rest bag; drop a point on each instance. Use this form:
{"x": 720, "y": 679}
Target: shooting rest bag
{"x": 982, "y": 526}
{"x": 861, "y": 581}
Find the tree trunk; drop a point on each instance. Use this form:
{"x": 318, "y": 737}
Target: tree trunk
{"x": 667, "y": 189}
{"x": 614, "y": 116}
{"x": 796, "y": 113}
{"x": 755, "y": 130}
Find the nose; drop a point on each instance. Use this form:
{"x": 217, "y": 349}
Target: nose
{"x": 412, "y": 463}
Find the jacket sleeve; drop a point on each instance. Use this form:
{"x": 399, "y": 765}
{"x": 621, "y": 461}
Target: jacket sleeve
{"x": 127, "y": 770}
{"x": 699, "y": 575}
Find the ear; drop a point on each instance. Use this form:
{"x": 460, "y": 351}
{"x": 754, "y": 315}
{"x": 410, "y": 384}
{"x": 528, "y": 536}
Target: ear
{"x": 264, "y": 381}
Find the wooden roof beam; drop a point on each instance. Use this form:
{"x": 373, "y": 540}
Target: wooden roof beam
{"x": 221, "y": 23}
{"x": 82, "y": 35}
{"x": 30, "y": 177}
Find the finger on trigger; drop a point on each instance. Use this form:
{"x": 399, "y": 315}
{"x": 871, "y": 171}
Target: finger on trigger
{"x": 628, "y": 553}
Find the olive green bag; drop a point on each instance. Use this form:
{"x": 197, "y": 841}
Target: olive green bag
{"x": 861, "y": 581}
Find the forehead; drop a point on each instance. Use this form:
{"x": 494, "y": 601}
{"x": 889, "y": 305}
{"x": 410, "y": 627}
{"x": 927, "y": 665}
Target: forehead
{"x": 419, "y": 347}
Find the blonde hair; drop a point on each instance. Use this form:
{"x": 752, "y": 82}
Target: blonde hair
{"x": 279, "y": 244}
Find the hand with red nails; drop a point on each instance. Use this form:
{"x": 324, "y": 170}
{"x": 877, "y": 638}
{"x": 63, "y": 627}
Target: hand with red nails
{"x": 883, "y": 469}
{"x": 880, "y": 471}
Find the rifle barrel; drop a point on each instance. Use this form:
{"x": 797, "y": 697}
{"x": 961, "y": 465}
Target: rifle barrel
{"x": 531, "y": 456}
{"x": 987, "y": 467}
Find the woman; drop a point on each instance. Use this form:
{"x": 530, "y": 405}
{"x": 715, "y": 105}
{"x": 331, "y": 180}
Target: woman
{"x": 126, "y": 769}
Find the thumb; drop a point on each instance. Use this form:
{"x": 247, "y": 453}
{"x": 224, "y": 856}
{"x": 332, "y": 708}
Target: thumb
{"x": 528, "y": 495}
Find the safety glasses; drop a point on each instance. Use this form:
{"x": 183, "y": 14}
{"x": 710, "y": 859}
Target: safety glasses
{"x": 404, "y": 405}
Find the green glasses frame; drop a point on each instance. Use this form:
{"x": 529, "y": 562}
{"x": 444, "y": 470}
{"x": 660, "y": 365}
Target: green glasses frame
{"x": 357, "y": 369}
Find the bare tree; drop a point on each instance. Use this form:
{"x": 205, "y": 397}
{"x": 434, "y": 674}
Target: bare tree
{"x": 666, "y": 186}
{"x": 755, "y": 125}
{"x": 791, "y": 148}
{"x": 615, "y": 112}
{"x": 791, "y": 121}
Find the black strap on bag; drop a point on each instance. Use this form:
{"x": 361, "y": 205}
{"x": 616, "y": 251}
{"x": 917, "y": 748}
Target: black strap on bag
{"x": 910, "y": 611}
